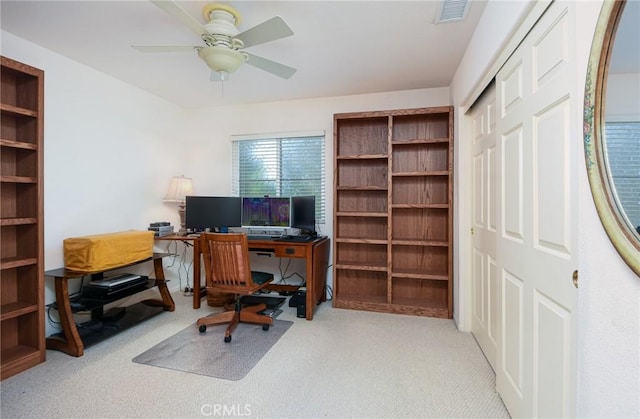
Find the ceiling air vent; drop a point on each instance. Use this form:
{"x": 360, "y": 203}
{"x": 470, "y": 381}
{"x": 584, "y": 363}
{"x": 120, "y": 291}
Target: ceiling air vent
{"x": 452, "y": 10}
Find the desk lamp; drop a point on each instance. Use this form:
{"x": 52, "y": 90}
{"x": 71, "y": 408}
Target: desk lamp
{"x": 178, "y": 190}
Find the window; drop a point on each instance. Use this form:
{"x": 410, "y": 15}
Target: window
{"x": 280, "y": 165}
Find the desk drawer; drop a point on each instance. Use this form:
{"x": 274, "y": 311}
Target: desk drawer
{"x": 290, "y": 251}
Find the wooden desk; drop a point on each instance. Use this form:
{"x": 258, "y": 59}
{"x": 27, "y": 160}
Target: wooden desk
{"x": 70, "y": 340}
{"x": 316, "y": 254}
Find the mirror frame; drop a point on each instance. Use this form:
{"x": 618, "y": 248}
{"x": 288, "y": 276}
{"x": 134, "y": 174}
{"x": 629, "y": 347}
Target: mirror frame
{"x": 624, "y": 240}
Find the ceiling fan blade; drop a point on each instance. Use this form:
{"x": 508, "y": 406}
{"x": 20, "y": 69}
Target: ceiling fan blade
{"x": 179, "y": 13}
{"x": 163, "y": 48}
{"x": 270, "y": 30}
{"x": 272, "y": 67}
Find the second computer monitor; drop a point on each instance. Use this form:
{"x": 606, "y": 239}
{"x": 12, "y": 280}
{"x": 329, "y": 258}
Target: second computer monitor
{"x": 265, "y": 212}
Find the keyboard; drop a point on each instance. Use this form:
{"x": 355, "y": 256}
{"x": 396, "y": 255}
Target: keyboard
{"x": 298, "y": 239}
{"x": 261, "y": 237}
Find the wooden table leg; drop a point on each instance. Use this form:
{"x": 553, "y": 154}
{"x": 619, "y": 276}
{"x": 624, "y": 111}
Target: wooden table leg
{"x": 317, "y": 265}
{"x": 197, "y": 290}
{"x": 167, "y": 301}
{"x": 71, "y": 343}
{"x": 310, "y": 301}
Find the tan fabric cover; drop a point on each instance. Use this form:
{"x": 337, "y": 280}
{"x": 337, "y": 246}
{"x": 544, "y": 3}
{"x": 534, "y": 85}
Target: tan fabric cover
{"x": 107, "y": 251}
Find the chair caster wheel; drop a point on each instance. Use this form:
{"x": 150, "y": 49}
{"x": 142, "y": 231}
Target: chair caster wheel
{"x": 227, "y": 339}
{"x": 265, "y": 327}
{"x": 203, "y": 328}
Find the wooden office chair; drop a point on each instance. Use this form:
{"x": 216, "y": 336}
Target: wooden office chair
{"x": 227, "y": 270}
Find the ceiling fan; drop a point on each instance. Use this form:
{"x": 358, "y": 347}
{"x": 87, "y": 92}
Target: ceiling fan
{"x": 223, "y": 49}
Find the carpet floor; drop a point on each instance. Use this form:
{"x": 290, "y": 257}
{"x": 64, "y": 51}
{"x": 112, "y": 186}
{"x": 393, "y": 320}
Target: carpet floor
{"x": 343, "y": 364}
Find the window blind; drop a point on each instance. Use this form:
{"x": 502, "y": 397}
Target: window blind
{"x": 280, "y": 166}
{"x": 623, "y": 155}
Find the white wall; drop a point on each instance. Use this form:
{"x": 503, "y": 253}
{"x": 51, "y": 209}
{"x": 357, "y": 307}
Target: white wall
{"x": 609, "y": 293}
{"x": 109, "y": 153}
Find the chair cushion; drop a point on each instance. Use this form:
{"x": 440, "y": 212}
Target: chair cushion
{"x": 261, "y": 277}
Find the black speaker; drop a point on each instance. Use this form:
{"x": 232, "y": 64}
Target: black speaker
{"x": 302, "y": 311}
{"x": 299, "y": 297}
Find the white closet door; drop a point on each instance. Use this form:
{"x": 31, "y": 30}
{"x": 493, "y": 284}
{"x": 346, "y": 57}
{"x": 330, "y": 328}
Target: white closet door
{"x": 538, "y": 137}
{"x": 485, "y": 285}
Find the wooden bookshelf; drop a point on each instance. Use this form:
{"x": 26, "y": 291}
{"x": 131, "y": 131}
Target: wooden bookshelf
{"x": 393, "y": 245}
{"x": 21, "y": 218}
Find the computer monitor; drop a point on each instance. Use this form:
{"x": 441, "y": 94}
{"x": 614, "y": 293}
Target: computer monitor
{"x": 303, "y": 214}
{"x": 213, "y": 212}
{"x": 266, "y": 212}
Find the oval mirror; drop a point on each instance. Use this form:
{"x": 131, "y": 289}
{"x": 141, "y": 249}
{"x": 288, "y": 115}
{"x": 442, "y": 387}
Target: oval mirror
{"x": 612, "y": 126}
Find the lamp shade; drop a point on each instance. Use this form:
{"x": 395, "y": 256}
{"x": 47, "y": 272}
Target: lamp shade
{"x": 180, "y": 187}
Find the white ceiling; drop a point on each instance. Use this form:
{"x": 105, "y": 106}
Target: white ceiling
{"x": 338, "y": 47}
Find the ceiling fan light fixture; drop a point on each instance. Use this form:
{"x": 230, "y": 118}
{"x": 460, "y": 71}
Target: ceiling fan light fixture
{"x": 222, "y": 60}
{"x": 222, "y": 19}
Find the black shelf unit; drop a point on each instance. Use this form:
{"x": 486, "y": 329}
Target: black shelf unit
{"x": 76, "y": 336}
